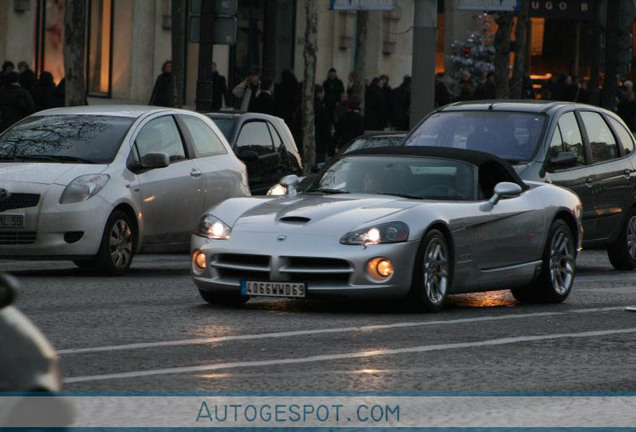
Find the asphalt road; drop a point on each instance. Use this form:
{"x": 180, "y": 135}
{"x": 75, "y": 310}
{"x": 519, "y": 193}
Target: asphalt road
{"x": 150, "y": 331}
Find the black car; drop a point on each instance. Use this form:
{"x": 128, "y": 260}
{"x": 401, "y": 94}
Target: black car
{"x": 584, "y": 148}
{"x": 264, "y": 143}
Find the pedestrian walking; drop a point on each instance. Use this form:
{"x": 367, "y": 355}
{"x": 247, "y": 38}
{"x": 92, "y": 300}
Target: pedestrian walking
{"x": 287, "y": 95}
{"x": 44, "y": 94}
{"x": 322, "y": 123}
{"x": 15, "y": 102}
{"x": 28, "y": 79}
{"x": 341, "y": 108}
{"x": 400, "y": 102}
{"x": 264, "y": 102}
{"x": 333, "y": 88}
{"x": 7, "y": 68}
{"x": 219, "y": 89}
{"x": 247, "y": 90}
{"x": 443, "y": 95}
{"x": 373, "y": 109}
{"x": 466, "y": 87}
{"x": 165, "y": 91}
{"x": 351, "y": 124}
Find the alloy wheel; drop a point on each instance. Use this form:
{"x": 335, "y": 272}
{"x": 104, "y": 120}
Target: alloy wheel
{"x": 120, "y": 243}
{"x": 436, "y": 270}
{"x": 561, "y": 262}
{"x": 631, "y": 237}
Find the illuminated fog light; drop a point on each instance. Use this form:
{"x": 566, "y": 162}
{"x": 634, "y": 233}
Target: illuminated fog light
{"x": 373, "y": 235}
{"x": 385, "y": 268}
{"x": 199, "y": 260}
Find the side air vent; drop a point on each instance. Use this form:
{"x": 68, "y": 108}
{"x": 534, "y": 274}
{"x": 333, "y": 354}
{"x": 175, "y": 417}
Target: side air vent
{"x": 295, "y": 220}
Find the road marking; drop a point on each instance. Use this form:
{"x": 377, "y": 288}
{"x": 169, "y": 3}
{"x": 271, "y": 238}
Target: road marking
{"x": 347, "y": 356}
{"x": 201, "y": 341}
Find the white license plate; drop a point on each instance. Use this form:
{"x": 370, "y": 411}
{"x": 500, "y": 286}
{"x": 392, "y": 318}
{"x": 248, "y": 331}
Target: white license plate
{"x": 273, "y": 289}
{"x": 11, "y": 221}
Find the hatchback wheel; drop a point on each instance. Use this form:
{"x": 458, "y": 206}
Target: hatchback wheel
{"x": 622, "y": 253}
{"x": 117, "y": 248}
{"x": 432, "y": 274}
{"x": 554, "y": 283}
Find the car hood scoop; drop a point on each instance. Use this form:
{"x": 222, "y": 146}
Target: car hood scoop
{"x": 299, "y": 220}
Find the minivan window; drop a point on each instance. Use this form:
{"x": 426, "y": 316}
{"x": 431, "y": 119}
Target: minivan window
{"x": 624, "y": 135}
{"x": 65, "y": 138}
{"x": 602, "y": 142}
{"x": 571, "y": 135}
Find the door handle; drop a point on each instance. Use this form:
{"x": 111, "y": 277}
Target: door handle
{"x": 588, "y": 182}
{"x": 627, "y": 173}
{"x": 195, "y": 173}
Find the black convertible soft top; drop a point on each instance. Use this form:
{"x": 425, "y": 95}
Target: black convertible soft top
{"x": 483, "y": 160}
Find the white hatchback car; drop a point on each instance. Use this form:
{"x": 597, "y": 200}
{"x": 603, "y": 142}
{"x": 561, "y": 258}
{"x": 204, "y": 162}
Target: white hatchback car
{"x": 95, "y": 185}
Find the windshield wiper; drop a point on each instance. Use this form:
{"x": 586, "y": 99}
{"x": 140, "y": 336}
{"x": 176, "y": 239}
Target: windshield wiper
{"x": 54, "y": 158}
{"x": 327, "y": 191}
{"x": 401, "y": 195}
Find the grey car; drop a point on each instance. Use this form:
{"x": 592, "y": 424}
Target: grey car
{"x": 408, "y": 223}
{"x": 97, "y": 184}
{"x": 584, "y": 148}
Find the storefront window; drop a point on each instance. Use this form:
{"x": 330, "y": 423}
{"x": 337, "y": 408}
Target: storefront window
{"x": 99, "y": 47}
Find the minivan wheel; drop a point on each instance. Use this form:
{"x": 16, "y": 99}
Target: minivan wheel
{"x": 622, "y": 253}
{"x": 554, "y": 283}
{"x": 117, "y": 248}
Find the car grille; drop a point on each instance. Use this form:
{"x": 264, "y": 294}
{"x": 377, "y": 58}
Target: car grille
{"x": 312, "y": 270}
{"x": 17, "y": 237}
{"x": 19, "y": 200}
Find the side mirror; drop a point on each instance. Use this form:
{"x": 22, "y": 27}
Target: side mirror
{"x": 505, "y": 190}
{"x": 155, "y": 160}
{"x": 8, "y": 289}
{"x": 564, "y": 160}
{"x": 317, "y": 167}
{"x": 290, "y": 182}
{"x": 247, "y": 155}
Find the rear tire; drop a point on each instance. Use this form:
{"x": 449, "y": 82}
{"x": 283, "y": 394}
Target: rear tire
{"x": 223, "y": 299}
{"x": 622, "y": 253}
{"x": 117, "y": 248}
{"x": 432, "y": 274}
{"x": 554, "y": 283}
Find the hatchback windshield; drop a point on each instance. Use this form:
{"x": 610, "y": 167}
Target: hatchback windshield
{"x": 510, "y": 135}
{"x": 410, "y": 177}
{"x": 64, "y": 138}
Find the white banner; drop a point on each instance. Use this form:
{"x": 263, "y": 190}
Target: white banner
{"x": 362, "y": 5}
{"x": 487, "y": 5}
{"x": 328, "y": 411}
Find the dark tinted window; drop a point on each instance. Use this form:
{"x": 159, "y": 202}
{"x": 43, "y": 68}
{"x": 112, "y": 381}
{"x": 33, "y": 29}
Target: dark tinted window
{"x": 255, "y": 136}
{"x": 226, "y": 124}
{"x": 624, "y": 135}
{"x": 374, "y": 141}
{"x": 602, "y": 142}
{"x": 161, "y": 136}
{"x": 571, "y": 136}
{"x": 510, "y": 135}
{"x": 206, "y": 143}
{"x": 94, "y": 139}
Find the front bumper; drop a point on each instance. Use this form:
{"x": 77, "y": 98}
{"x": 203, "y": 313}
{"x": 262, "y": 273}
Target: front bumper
{"x": 46, "y": 225}
{"x": 329, "y": 268}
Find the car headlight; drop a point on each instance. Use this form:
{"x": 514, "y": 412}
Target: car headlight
{"x": 277, "y": 189}
{"x": 213, "y": 228}
{"x": 392, "y": 232}
{"x": 83, "y": 188}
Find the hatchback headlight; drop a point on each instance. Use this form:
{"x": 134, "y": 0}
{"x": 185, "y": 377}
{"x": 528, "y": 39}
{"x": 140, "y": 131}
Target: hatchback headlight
{"x": 83, "y": 188}
{"x": 213, "y": 228}
{"x": 392, "y": 232}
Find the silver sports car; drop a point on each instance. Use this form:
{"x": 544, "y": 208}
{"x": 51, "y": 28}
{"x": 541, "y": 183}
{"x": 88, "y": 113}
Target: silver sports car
{"x": 407, "y": 223}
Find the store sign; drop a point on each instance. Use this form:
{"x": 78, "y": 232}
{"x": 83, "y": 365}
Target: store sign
{"x": 487, "y": 5}
{"x": 362, "y": 5}
{"x": 563, "y": 9}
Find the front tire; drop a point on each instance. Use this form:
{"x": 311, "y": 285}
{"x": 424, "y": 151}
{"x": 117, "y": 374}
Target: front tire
{"x": 117, "y": 248}
{"x": 223, "y": 299}
{"x": 554, "y": 283}
{"x": 622, "y": 253}
{"x": 432, "y": 274}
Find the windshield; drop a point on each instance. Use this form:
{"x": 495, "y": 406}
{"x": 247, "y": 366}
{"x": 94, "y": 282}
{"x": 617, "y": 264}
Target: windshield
{"x": 226, "y": 124}
{"x": 410, "y": 177}
{"x": 64, "y": 138}
{"x": 375, "y": 141}
{"x": 511, "y": 136}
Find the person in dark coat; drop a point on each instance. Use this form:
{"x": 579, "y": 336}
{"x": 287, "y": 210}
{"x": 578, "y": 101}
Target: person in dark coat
{"x": 322, "y": 123}
{"x": 15, "y": 102}
{"x": 373, "y": 106}
{"x": 560, "y": 88}
{"x": 486, "y": 88}
{"x": 350, "y": 125}
{"x": 27, "y": 76}
{"x": 627, "y": 110}
{"x": 443, "y": 95}
{"x": 7, "y": 68}
{"x": 333, "y": 88}
{"x": 401, "y": 104}
{"x": 385, "y": 102}
{"x": 165, "y": 90}
{"x": 287, "y": 94}
{"x": 264, "y": 102}
{"x": 219, "y": 89}
{"x": 44, "y": 94}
